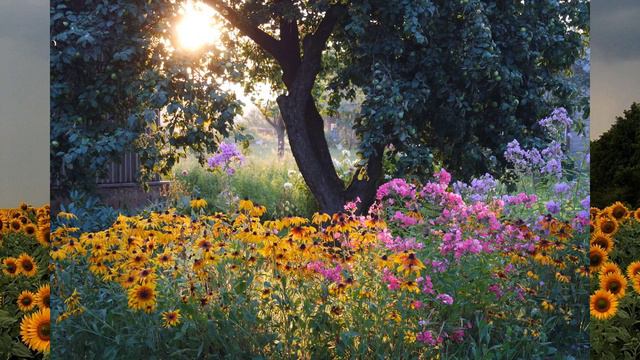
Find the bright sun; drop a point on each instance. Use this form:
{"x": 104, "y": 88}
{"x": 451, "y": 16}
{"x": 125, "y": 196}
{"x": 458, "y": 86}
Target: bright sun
{"x": 196, "y": 27}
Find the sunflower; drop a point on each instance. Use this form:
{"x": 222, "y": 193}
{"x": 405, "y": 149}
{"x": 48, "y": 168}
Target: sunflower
{"x": 35, "y": 330}
{"x": 143, "y": 297}
{"x": 619, "y": 211}
{"x": 602, "y": 240}
{"x": 27, "y": 265}
{"x": 603, "y": 305}
{"x": 609, "y": 268}
{"x": 15, "y": 225}
{"x": 608, "y": 226}
{"x": 635, "y": 282}
{"x": 44, "y": 236}
{"x": 29, "y": 229}
{"x": 633, "y": 270}
{"x": 615, "y": 283}
{"x": 43, "y": 296}
{"x": 636, "y": 214}
{"x": 171, "y": 318}
{"x": 597, "y": 257}
{"x": 26, "y": 301}
{"x": 11, "y": 266}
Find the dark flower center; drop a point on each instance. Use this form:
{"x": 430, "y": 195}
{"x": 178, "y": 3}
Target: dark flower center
{"x": 27, "y": 265}
{"x": 614, "y": 287}
{"x": 595, "y": 259}
{"x": 44, "y": 331}
{"x": 144, "y": 294}
{"x": 602, "y": 304}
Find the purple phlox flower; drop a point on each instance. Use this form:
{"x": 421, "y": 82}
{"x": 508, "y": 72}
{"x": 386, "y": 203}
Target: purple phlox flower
{"x": 586, "y": 203}
{"x": 552, "y": 207}
{"x": 561, "y": 188}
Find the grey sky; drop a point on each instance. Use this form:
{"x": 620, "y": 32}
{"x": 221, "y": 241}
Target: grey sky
{"x": 24, "y": 102}
{"x": 615, "y": 60}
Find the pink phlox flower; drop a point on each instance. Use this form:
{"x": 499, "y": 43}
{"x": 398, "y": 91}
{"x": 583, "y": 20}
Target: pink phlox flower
{"x": 445, "y": 298}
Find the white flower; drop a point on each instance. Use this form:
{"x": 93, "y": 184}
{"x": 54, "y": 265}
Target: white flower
{"x": 288, "y": 186}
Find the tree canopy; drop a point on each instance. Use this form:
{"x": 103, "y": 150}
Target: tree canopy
{"x": 448, "y": 81}
{"x": 615, "y": 162}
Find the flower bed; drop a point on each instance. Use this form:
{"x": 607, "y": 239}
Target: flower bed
{"x": 424, "y": 274}
{"x": 24, "y": 303}
{"x": 615, "y": 283}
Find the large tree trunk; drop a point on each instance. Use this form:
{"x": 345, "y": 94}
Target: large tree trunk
{"x": 311, "y": 152}
{"x": 304, "y": 125}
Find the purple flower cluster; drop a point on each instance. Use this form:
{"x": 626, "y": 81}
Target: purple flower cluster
{"x": 478, "y": 189}
{"x": 558, "y": 118}
{"x": 226, "y": 158}
{"x": 547, "y": 161}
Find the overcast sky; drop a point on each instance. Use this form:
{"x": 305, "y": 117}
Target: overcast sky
{"x": 615, "y": 60}
{"x": 24, "y": 102}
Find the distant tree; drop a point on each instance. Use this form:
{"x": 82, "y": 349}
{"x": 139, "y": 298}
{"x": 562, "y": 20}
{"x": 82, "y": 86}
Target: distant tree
{"x": 271, "y": 114}
{"x": 454, "y": 80}
{"x": 615, "y": 162}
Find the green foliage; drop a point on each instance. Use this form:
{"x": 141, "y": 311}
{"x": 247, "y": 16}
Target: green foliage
{"x": 459, "y": 78}
{"x": 615, "y": 162}
{"x": 111, "y": 75}
{"x": 260, "y": 180}
{"x": 456, "y": 79}
{"x": 95, "y": 215}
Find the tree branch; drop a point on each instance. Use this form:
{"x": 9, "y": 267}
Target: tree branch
{"x": 267, "y": 42}
{"x": 313, "y": 46}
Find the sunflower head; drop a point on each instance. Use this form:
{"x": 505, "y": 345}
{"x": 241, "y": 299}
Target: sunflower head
{"x": 618, "y": 211}
{"x": 10, "y": 266}
{"x": 609, "y": 268}
{"x": 27, "y": 265}
{"x": 635, "y": 282}
{"x": 608, "y": 225}
{"x": 15, "y": 225}
{"x": 29, "y": 229}
{"x": 633, "y": 270}
{"x": 603, "y": 305}
{"x": 43, "y": 297}
{"x": 615, "y": 283}
{"x": 603, "y": 240}
{"x": 35, "y": 330}
{"x": 597, "y": 257}
{"x": 26, "y": 301}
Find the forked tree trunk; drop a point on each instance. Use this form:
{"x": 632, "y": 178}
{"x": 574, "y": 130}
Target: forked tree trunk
{"x": 304, "y": 125}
